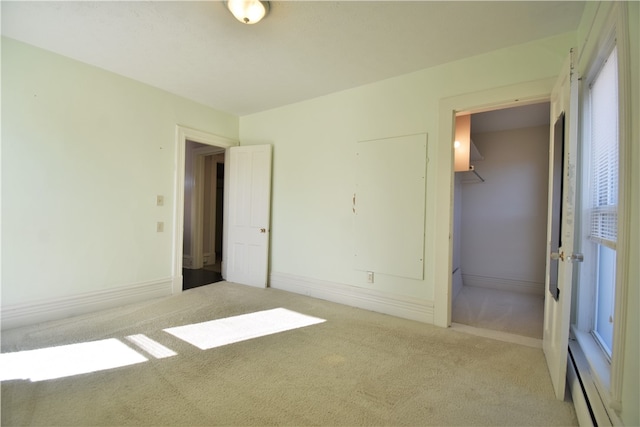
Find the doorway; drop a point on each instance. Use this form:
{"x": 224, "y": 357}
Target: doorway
{"x": 500, "y": 223}
{"x": 198, "y": 242}
{"x": 203, "y": 214}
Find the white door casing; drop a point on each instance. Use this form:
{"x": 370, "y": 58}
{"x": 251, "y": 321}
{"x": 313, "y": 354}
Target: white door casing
{"x": 564, "y": 99}
{"x": 247, "y": 252}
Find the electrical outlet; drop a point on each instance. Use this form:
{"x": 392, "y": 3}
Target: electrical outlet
{"x": 160, "y": 227}
{"x": 369, "y": 276}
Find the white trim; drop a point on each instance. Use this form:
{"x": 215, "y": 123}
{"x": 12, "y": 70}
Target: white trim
{"x": 610, "y": 28}
{"x": 197, "y": 196}
{"x": 624, "y": 206}
{"x": 503, "y": 284}
{"x": 208, "y": 258}
{"x": 187, "y": 261}
{"x": 198, "y": 158}
{"x": 486, "y": 100}
{"x": 41, "y": 311}
{"x": 368, "y": 299}
{"x": 183, "y": 134}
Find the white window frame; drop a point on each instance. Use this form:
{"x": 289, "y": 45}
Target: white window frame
{"x": 591, "y": 246}
{"x": 607, "y": 373}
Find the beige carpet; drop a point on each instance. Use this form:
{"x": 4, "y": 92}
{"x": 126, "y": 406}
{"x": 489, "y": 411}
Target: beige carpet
{"x": 512, "y": 312}
{"x": 357, "y": 368}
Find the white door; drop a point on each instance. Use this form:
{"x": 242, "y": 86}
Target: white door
{"x": 249, "y": 199}
{"x": 561, "y": 220}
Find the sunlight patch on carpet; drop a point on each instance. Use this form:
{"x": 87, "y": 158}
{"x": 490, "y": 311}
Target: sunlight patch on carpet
{"x": 152, "y": 347}
{"x": 216, "y": 333}
{"x": 67, "y": 360}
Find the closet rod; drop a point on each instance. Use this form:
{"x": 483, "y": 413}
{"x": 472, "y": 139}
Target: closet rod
{"x": 473, "y": 169}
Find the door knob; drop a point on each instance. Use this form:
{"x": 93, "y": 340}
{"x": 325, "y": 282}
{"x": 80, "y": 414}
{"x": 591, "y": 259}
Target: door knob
{"x": 263, "y": 230}
{"x": 557, "y": 256}
{"x": 576, "y": 258}
{"x": 571, "y": 258}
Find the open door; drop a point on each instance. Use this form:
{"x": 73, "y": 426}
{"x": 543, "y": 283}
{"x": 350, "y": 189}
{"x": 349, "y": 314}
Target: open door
{"x": 561, "y": 222}
{"x": 249, "y": 200}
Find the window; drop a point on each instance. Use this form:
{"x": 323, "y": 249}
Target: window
{"x": 601, "y": 292}
{"x": 594, "y": 318}
{"x": 603, "y": 204}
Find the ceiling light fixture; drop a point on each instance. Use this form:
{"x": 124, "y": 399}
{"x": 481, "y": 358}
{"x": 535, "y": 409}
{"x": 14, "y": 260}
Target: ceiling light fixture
{"x": 248, "y": 11}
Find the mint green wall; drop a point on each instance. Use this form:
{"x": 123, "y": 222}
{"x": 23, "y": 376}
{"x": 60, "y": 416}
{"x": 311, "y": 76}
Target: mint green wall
{"x": 84, "y": 154}
{"x": 314, "y": 158}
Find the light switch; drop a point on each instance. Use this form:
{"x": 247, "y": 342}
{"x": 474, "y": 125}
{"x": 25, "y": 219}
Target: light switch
{"x": 159, "y": 200}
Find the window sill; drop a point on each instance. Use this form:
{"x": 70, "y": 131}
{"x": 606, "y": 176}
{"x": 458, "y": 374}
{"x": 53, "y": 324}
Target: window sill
{"x": 598, "y": 363}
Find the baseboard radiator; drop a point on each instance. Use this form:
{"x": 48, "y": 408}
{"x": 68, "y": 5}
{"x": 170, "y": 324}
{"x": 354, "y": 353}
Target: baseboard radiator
{"x": 586, "y": 400}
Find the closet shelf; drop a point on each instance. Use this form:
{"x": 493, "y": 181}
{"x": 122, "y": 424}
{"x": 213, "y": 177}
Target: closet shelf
{"x": 472, "y": 176}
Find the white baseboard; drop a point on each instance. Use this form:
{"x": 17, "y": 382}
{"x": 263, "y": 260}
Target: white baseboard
{"x": 209, "y": 258}
{"x": 368, "y": 299}
{"x": 503, "y": 284}
{"x": 41, "y": 311}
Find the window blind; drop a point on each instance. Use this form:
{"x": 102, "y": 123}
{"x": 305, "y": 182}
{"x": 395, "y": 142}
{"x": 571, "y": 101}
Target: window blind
{"x": 604, "y": 150}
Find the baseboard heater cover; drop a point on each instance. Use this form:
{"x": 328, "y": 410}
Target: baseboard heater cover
{"x": 588, "y": 405}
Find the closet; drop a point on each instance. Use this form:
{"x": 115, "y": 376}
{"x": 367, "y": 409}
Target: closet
{"x": 500, "y": 220}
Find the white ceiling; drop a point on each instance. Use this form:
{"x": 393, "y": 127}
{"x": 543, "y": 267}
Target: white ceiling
{"x": 303, "y": 49}
{"x": 511, "y": 118}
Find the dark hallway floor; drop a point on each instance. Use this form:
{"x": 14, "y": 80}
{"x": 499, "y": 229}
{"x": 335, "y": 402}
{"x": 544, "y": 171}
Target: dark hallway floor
{"x": 194, "y": 278}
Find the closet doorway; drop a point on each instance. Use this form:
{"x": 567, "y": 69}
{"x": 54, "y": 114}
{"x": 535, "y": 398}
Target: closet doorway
{"x": 500, "y": 223}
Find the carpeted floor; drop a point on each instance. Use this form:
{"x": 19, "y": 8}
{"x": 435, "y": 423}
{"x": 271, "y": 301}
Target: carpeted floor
{"x": 356, "y": 368}
{"x": 511, "y": 312}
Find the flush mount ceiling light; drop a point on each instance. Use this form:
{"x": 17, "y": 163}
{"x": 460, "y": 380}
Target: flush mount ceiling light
{"x": 248, "y": 11}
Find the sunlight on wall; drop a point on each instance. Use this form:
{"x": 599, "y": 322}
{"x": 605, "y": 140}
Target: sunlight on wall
{"x": 67, "y": 360}
{"x": 217, "y": 333}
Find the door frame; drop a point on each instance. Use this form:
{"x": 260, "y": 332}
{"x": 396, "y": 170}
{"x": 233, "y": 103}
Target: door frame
{"x": 197, "y": 203}
{"x": 184, "y": 133}
{"x": 491, "y": 99}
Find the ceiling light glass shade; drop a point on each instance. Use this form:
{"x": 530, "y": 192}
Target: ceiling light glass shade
{"x": 248, "y": 11}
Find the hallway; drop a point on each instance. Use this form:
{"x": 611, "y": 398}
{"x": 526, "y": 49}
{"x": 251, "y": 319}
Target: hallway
{"x": 202, "y": 276}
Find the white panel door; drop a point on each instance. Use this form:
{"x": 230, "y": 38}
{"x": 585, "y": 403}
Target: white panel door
{"x": 249, "y": 199}
{"x": 561, "y": 220}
